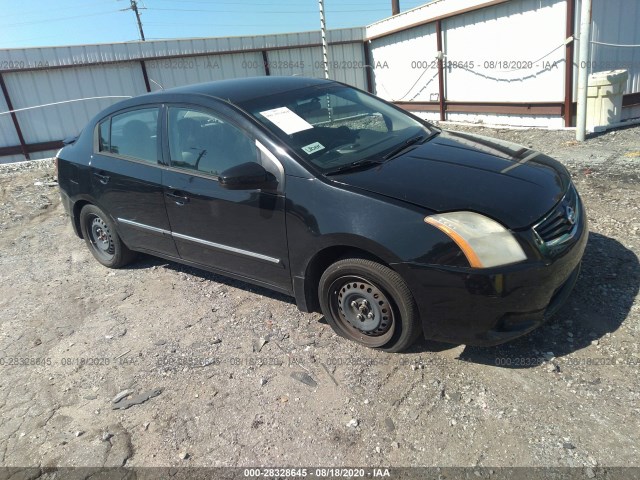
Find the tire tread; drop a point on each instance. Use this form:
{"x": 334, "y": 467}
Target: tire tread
{"x": 123, "y": 255}
{"x": 410, "y": 326}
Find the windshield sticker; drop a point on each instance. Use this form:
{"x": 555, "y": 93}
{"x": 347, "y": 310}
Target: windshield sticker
{"x": 313, "y": 148}
{"x": 286, "y": 120}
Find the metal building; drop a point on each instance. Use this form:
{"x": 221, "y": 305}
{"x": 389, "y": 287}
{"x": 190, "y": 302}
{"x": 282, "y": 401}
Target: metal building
{"x": 41, "y": 76}
{"x": 495, "y": 61}
{"x": 508, "y": 62}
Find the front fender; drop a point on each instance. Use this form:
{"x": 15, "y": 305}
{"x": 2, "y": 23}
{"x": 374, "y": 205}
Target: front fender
{"x": 324, "y": 215}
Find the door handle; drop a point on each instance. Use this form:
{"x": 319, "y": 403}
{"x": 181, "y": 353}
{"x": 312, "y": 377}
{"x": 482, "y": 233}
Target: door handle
{"x": 178, "y": 197}
{"x": 104, "y": 179}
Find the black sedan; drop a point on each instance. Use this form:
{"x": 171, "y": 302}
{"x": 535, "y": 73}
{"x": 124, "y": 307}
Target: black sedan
{"x": 387, "y": 225}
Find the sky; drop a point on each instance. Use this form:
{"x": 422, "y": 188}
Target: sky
{"x": 35, "y": 23}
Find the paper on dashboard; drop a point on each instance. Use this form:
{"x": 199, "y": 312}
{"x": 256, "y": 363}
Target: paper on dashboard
{"x": 286, "y": 120}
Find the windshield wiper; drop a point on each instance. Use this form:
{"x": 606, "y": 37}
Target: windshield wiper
{"x": 412, "y": 141}
{"x": 396, "y": 151}
{"x": 354, "y": 166}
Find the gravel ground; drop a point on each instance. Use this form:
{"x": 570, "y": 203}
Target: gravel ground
{"x": 241, "y": 378}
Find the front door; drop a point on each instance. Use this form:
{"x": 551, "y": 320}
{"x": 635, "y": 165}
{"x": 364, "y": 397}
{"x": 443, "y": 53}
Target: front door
{"x": 238, "y": 231}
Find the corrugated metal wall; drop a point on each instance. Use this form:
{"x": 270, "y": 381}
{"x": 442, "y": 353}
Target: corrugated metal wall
{"x": 118, "y": 52}
{"x": 40, "y": 76}
{"x": 404, "y": 65}
{"x": 347, "y": 64}
{"x": 511, "y": 52}
{"x": 60, "y": 121}
{"x": 173, "y": 72}
{"x": 494, "y": 54}
{"x": 491, "y": 55}
{"x": 427, "y": 12}
{"x": 8, "y": 135}
{"x": 618, "y": 22}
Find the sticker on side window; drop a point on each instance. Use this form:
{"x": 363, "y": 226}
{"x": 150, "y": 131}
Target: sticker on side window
{"x": 313, "y": 148}
{"x": 286, "y": 120}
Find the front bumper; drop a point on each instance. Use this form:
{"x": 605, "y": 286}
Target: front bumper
{"x": 492, "y": 306}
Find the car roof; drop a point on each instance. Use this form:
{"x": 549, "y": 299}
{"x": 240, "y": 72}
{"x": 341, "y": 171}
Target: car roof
{"x": 239, "y": 90}
{"x": 236, "y": 91}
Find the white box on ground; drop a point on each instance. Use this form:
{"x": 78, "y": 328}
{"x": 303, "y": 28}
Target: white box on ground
{"x": 604, "y": 98}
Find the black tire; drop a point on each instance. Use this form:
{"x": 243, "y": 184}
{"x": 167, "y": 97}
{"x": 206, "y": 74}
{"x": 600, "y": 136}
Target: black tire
{"x": 370, "y": 304}
{"x": 101, "y": 237}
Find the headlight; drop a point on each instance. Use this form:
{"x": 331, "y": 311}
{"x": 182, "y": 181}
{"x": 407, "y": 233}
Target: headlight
{"x": 484, "y": 242}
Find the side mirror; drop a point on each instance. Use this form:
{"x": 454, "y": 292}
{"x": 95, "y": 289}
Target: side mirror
{"x": 246, "y": 176}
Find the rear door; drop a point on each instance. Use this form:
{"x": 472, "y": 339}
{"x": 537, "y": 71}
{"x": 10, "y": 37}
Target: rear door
{"x": 238, "y": 231}
{"x": 126, "y": 178}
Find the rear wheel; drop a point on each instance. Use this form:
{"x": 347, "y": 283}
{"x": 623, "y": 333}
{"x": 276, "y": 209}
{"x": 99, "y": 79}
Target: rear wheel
{"x": 102, "y": 239}
{"x": 369, "y": 303}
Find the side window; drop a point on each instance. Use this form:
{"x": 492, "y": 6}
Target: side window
{"x": 104, "y": 136}
{"x": 203, "y": 142}
{"x": 134, "y": 134}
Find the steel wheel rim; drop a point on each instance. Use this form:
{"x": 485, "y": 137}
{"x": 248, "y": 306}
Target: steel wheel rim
{"x": 101, "y": 237}
{"x": 362, "y": 310}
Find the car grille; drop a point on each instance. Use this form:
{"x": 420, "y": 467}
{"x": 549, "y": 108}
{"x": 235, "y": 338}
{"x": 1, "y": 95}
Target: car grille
{"x": 562, "y": 220}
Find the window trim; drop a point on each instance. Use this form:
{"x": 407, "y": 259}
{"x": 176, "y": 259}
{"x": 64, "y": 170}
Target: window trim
{"x": 278, "y": 164}
{"x": 260, "y": 146}
{"x": 159, "y": 154}
{"x": 96, "y": 146}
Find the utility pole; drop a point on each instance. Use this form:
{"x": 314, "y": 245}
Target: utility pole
{"x": 323, "y": 33}
{"x": 395, "y": 7}
{"x": 134, "y": 7}
{"x": 325, "y": 57}
{"x": 583, "y": 74}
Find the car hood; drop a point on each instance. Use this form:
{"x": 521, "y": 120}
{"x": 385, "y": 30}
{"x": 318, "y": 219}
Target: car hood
{"x": 459, "y": 171}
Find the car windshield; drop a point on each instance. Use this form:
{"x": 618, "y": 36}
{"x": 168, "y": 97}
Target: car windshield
{"x": 336, "y": 127}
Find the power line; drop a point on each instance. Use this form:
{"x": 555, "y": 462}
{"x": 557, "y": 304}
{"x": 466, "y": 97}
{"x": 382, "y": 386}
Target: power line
{"x": 615, "y": 44}
{"x": 134, "y": 7}
{"x": 137, "y": 5}
{"x": 63, "y": 102}
{"x": 19, "y": 24}
{"x": 226, "y": 25}
{"x": 46, "y": 11}
{"x": 303, "y": 12}
{"x": 363, "y": 3}
{"x": 43, "y": 40}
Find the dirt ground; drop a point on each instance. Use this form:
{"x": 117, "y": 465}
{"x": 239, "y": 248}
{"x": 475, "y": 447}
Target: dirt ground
{"x": 245, "y": 379}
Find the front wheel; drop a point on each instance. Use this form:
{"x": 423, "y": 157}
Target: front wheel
{"x": 102, "y": 239}
{"x": 369, "y": 303}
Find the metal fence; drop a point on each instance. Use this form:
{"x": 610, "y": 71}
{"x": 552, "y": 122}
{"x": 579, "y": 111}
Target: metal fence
{"x": 56, "y": 76}
{"x": 511, "y": 62}
{"x": 500, "y": 61}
